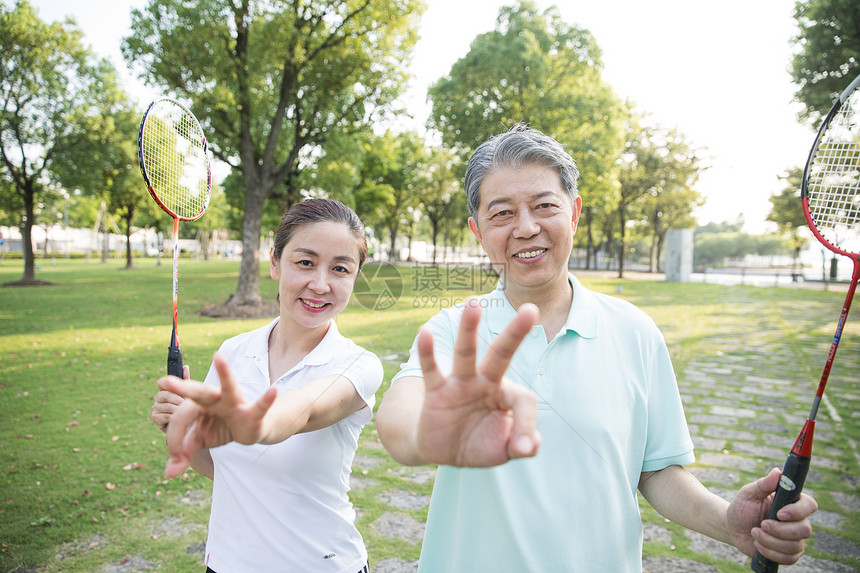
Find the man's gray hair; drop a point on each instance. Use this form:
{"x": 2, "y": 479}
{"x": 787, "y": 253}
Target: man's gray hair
{"x": 519, "y": 146}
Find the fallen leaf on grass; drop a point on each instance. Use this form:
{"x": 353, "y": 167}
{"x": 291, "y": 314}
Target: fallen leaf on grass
{"x": 110, "y": 485}
{"x": 134, "y": 466}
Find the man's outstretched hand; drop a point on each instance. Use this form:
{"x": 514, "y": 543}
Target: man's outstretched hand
{"x": 475, "y": 417}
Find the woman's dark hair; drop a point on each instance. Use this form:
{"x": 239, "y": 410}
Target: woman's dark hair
{"x": 312, "y": 211}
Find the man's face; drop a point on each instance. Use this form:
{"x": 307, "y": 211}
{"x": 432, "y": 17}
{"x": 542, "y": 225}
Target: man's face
{"x": 526, "y": 224}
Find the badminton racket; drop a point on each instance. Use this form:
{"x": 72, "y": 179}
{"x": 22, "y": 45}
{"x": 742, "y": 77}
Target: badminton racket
{"x": 174, "y": 161}
{"x": 830, "y": 197}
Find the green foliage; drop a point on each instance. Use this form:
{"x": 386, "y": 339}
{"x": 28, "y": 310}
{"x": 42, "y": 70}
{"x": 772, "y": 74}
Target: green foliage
{"x": 392, "y": 172}
{"x": 658, "y": 171}
{"x": 713, "y": 249}
{"x": 829, "y": 53}
{"x": 274, "y": 84}
{"x": 786, "y": 210}
{"x": 440, "y": 192}
{"x": 535, "y": 68}
{"x": 53, "y": 111}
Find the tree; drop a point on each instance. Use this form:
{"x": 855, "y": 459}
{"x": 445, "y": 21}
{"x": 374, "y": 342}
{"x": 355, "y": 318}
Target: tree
{"x": 100, "y": 160}
{"x": 640, "y": 165}
{"x": 535, "y": 68}
{"x": 829, "y": 53}
{"x": 273, "y": 82}
{"x": 670, "y": 202}
{"x": 439, "y": 191}
{"x": 787, "y": 212}
{"x": 47, "y": 82}
{"x": 391, "y": 172}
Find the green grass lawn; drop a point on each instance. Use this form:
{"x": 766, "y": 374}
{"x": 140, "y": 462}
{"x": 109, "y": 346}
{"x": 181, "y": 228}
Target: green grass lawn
{"x": 82, "y": 464}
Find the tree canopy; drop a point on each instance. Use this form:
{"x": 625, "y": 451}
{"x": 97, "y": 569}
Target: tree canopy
{"x": 829, "y": 53}
{"x": 536, "y": 68}
{"x": 56, "y": 112}
{"x": 273, "y": 83}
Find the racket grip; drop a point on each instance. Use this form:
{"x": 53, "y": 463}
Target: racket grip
{"x": 174, "y": 361}
{"x": 789, "y": 489}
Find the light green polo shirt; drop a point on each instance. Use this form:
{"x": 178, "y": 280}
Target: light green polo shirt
{"x": 608, "y": 410}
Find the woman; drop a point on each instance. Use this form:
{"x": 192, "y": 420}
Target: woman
{"x": 297, "y": 393}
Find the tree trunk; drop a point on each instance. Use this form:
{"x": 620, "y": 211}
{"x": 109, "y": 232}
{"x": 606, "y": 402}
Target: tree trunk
{"x": 435, "y": 239}
{"x": 621, "y": 242}
{"x": 129, "y": 216}
{"x": 392, "y": 236}
{"x": 248, "y": 288}
{"x": 589, "y": 247}
{"x": 652, "y": 256}
{"x": 27, "y": 237}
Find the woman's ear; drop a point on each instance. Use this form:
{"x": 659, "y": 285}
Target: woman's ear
{"x": 273, "y": 264}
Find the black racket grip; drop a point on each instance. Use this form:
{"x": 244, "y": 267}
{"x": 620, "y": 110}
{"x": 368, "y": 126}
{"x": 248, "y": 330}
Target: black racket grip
{"x": 790, "y": 485}
{"x": 174, "y": 361}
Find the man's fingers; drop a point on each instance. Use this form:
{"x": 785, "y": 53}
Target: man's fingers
{"x": 466, "y": 347}
{"x": 501, "y": 351}
{"x": 799, "y": 510}
{"x": 778, "y": 549}
{"x": 525, "y": 439}
{"x": 429, "y": 369}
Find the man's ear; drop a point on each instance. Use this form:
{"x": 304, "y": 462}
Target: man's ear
{"x": 473, "y": 226}
{"x": 577, "y": 210}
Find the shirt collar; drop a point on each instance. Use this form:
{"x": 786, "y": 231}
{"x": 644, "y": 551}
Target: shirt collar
{"x": 324, "y": 352}
{"x": 581, "y": 319}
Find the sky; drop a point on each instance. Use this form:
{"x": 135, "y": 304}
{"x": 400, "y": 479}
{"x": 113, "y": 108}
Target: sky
{"x": 715, "y": 71}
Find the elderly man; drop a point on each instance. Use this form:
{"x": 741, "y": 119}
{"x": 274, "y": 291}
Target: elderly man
{"x": 547, "y": 406}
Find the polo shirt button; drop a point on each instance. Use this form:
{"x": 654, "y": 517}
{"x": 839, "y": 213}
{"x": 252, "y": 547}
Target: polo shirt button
{"x": 541, "y": 371}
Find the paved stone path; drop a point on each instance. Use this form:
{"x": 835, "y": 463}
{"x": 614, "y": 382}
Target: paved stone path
{"x": 745, "y": 402}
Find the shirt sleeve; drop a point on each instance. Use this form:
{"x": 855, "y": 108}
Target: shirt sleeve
{"x": 364, "y": 370}
{"x": 443, "y": 326}
{"x": 668, "y": 441}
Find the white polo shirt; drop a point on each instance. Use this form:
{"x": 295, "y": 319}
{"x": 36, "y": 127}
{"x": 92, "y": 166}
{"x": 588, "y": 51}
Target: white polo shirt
{"x": 284, "y": 507}
{"x": 608, "y": 410}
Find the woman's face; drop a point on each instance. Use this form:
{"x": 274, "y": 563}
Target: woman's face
{"x": 316, "y": 273}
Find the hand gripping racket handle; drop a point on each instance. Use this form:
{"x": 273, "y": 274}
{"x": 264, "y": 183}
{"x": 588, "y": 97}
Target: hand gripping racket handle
{"x": 790, "y": 485}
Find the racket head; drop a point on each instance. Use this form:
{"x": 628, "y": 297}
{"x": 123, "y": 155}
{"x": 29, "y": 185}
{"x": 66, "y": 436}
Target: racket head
{"x": 830, "y": 194}
{"x": 174, "y": 159}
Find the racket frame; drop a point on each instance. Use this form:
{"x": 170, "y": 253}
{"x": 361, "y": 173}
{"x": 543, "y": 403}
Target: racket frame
{"x": 174, "y": 352}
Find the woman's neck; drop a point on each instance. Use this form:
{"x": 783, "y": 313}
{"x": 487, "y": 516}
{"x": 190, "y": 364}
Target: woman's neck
{"x": 289, "y": 343}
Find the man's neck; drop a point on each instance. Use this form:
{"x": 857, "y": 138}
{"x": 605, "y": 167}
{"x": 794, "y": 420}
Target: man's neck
{"x": 553, "y": 301}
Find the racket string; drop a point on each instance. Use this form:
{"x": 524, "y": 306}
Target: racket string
{"x": 175, "y": 157}
{"x": 834, "y": 200}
